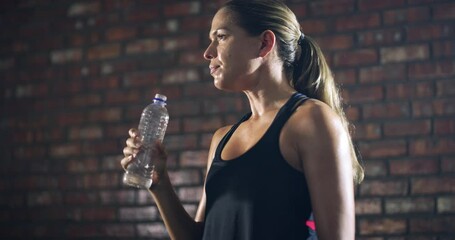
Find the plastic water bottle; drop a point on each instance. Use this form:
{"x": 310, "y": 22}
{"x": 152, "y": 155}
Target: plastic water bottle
{"x": 152, "y": 127}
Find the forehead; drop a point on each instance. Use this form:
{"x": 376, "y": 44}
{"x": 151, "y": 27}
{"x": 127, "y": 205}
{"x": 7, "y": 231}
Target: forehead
{"x": 222, "y": 19}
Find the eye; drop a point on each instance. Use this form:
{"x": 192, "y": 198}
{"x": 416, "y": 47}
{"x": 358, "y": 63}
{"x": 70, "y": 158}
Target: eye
{"x": 221, "y": 37}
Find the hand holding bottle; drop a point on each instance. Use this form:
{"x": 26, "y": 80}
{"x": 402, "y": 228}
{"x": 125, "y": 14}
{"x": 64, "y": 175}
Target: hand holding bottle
{"x": 134, "y": 147}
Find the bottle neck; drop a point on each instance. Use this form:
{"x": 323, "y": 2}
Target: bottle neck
{"x": 159, "y": 101}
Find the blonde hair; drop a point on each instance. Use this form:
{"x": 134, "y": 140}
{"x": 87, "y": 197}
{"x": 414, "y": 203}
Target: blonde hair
{"x": 303, "y": 60}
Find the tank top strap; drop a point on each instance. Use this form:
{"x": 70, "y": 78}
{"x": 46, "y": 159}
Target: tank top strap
{"x": 287, "y": 110}
{"x": 228, "y": 135}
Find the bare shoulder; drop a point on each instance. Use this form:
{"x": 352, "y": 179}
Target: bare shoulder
{"x": 315, "y": 119}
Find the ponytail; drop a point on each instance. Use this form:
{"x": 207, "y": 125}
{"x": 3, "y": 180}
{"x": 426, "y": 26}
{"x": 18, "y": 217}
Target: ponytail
{"x": 313, "y": 77}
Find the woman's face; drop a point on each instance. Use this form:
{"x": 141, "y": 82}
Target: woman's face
{"x": 233, "y": 54}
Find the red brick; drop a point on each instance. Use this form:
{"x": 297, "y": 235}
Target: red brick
{"x": 143, "y": 46}
{"x": 367, "y": 5}
{"x": 363, "y": 94}
{"x": 404, "y": 54}
{"x": 313, "y": 26}
{"x": 444, "y": 11}
{"x": 408, "y": 15}
{"x": 448, "y": 164}
{"x": 84, "y": 100}
{"x": 82, "y": 165}
{"x": 429, "y": 32}
{"x": 381, "y": 37}
{"x": 206, "y": 139}
{"x": 408, "y": 128}
{"x": 434, "y": 224}
{"x": 105, "y": 115}
{"x": 155, "y": 230}
{"x": 185, "y": 9}
{"x": 181, "y": 142}
{"x": 65, "y": 150}
{"x": 446, "y": 204}
{"x": 98, "y": 214}
{"x": 191, "y": 193}
{"x": 95, "y": 181}
{"x": 140, "y": 79}
{"x": 410, "y": 90}
{"x": 192, "y": 58}
{"x": 438, "y": 107}
{"x": 357, "y": 22}
{"x": 444, "y": 126}
{"x": 44, "y": 198}
{"x": 335, "y": 42}
{"x": 114, "y": 97}
{"x": 194, "y": 158}
{"x": 67, "y": 55}
{"x": 199, "y": 23}
{"x": 179, "y": 76}
{"x": 367, "y": 131}
{"x": 222, "y": 105}
{"x": 104, "y": 147}
{"x": 119, "y": 230}
{"x": 138, "y": 213}
{"x": 368, "y": 206}
{"x": 382, "y": 73}
{"x": 345, "y": 77}
{"x": 445, "y": 88}
{"x": 409, "y": 205}
{"x": 375, "y": 168}
{"x": 7, "y": 63}
{"x": 78, "y": 198}
{"x": 120, "y": 33}
{"x": 421, "y": 147}
{"x": 78, "y": 9}
{"x": 356, "y": 58}
{"x": 182, "y": 42}
{"x": 191, "y": 209}
{"x": 324, "y": 8}
{"x": 103, "y": 52}
{"x": 185, "y": 177}
{"x": 118, "y": 197}
{"x": 110, "y": 82}
{"x": 443, "y": 49}
{"x": 383, "y": 149}
{"x": 202, "y": 89}
{"x": 142, "y": 14}
{"x": 384, "y": 188}
{"x": 413, "y": 166}
{"x": 186, "y": 108}
{"x": 86, "y": 132}
{"x": 382, "y": 226}
{"x": 204, "y": 124}
{"x": 433, "y": 185}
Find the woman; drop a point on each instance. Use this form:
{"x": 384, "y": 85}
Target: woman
{"x": 291, "y": 158}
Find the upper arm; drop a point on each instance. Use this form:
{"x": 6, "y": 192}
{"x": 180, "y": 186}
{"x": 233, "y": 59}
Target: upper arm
{"x": 324, "y": 152}
{"x": 200, "y": 213}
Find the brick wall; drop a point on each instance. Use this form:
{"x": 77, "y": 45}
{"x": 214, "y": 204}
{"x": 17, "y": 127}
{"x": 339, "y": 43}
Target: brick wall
{"x": 75, "y": 75}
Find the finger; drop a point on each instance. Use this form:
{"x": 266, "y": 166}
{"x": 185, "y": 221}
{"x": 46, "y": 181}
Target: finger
{"x": 133, "y": 143}
{"x": 133, "y": 132}
{"x": 127, "y": 151}
{"x": 126, "y": 161}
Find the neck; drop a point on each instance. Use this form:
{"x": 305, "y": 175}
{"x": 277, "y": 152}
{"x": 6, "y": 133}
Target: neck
{"x": 270, "y": 95}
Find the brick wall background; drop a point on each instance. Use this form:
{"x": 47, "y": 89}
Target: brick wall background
{"x": 75, "y": 76}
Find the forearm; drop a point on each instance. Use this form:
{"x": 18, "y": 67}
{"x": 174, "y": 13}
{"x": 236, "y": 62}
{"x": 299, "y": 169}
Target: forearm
{"x": 180, "y": 225}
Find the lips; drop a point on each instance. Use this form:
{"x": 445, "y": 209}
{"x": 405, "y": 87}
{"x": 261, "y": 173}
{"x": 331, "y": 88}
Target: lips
{"x": 213, "y": 68}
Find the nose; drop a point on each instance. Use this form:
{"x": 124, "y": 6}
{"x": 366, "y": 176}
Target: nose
{"x": 210, "y": 52}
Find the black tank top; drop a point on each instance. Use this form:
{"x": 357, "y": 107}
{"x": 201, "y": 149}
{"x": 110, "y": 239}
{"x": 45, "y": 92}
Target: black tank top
{"x": 258, "y": 195}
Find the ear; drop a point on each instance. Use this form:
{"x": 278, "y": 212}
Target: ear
{"x": 267, "y": 43}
